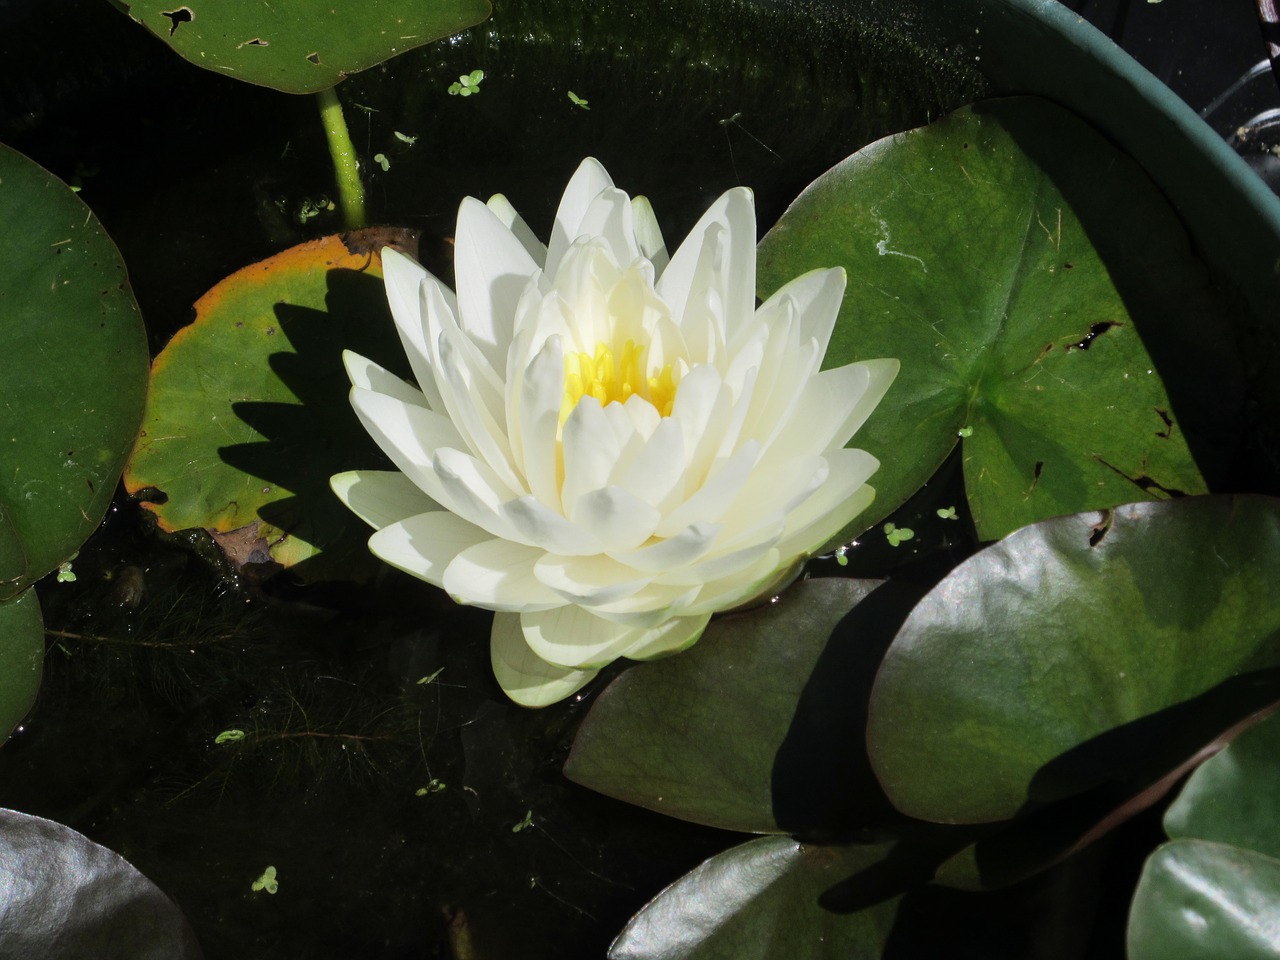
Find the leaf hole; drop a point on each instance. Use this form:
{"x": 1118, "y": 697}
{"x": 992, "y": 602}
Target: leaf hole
{"x": 255, "y": 42}
{"x": 1035, "y": 476}
{"x": 177, "y": 18}
{"x": 1095, "y": 331}
{"x": 1167, "y": 432}
{"x": 314, "y": 58}
{"x": 1100, "y": 529}
{"x": 1068, "y": 265}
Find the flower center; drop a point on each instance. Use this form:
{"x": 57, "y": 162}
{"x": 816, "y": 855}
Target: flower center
{"x": 614, "y": 379}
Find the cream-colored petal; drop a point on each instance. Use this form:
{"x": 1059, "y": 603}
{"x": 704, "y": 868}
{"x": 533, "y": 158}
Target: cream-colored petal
{"x": 542, "y": 525}
{"x": 572, "y": 637}
{"x": 832, "y": 506}
{"x": 717, "y": 495}
{"x": 647, "y": 607}
{"x": 472, "y": 490}
{"x": 424, "y": 545}
{"x": 492, "y": 269}
{"x": 649, "y": 234}
{"x": 703, "y": 406}
{"x": 590, "y": 581}
{"x": 590, "y": 451}
{"x": 485, "y": 436}
{"x": 621, "y": 520}
{"x": 672, "y": 553}
{"x": 585, "y": 185}
{"x": 410, "y": 435}
{"x": 498, "y": 575}
{"x": 403, "y": 279}
{"x": 732, "y": 591}
{"x": 523, "y": 677}
{"x": 881, "y": 374}
{"x": 609, "y": 217}
{"x": 541, "y": 392}
{"x": 677, "y": 634}
{"x": 817, "y": 296}
{"x": 656, "y": 473}
{"x": 367, "y": 375}
{"x": 504, "y": 211}
{"x": 381, "y": 497}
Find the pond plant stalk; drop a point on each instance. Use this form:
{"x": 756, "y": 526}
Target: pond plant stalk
{"x": 346, "y": 168}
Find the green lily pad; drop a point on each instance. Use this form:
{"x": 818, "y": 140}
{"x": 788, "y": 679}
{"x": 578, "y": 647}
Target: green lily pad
{"x": 759, "y": 901}
{"x": 21, "y": 658}
{"x": 1215, "y": 890}
{"x": 300, "y": 48}
{"x": 1043, "y": 299}
{"x": 755, "y": 728}
{"x": 248, "y": 417}
{"x": 1078, "y": 652}
{"x": 72, "y": 372}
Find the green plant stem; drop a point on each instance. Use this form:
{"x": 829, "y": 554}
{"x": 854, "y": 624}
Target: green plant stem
{"x": 346, "y": 169}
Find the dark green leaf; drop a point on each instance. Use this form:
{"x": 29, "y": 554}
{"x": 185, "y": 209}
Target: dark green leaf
{"x": 1039, "y": 292}
{"x": 1076, "y": 651}
{"x": 763, "y": 899}
{"x": 248, "y": 418}
{"x": 1206, "y": 901}
{"x": 21, "y": 658}
{"x": 66, "y": 898}
{"x": 759, "y": 726}
{"x": 301, "y": 48}
{"x": 73, "y": 370}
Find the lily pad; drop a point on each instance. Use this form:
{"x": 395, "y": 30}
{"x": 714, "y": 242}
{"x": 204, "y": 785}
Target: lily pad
{"x": 72, "y": 370}
{"x": 300, "y": 48}
{"x": 760, "y": 900}
{"x": 1078, "y": 652}
{"x": 21, "y": 658}
{"x": 68, "y": 898}
{"x": 1043, "y": 299}
{"x": 757, "y": 727}
{"x": 1215, "y": 890}
{"x": 248, "y": 417}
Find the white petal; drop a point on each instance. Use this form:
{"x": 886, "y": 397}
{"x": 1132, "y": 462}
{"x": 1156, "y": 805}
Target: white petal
{"x": 717, "y": 495}
{"x": 402, "y": 278}
{"x": 735, "y": 590}
{"x": 723, "y": 564}
{"x": 735, "y": 274}
{"x": 704, "y": 407}
{"x": 835, "y": 403}
{"x": 424, "y": 545}
{"x": 367, "y": 375}
{"x": 498, "y": 575}
{"x": 543, "y": 526}
{"x": 408, "y": 434}
{"x": 673, "y": 553}
{"x": 381, "y": 497}
{"x": 572, "y": 637}
{"x": 648, "y": 607}
{"x": 589, "y": 580}
{"x": 620, "y": 520}
{"x": 504, "y": 211}
{"x": 656, "y": 474}
{"x": 649, "y": 234}
{"x": 492, "y": 269}
{"x": 524, "y": 678}
{"x": 541, "y": 393}
{"x": 833, "y": 506}
{"x": 817, "y": 296}
{"x": 678, "y": 633}
{"x": 590, "y": 451}
{"x": 585, "y": 185}
{"x": 608, "y": 216}
{"x": 472, "y": 490}
{"x": 882, "y": 373}
{"x": 486, "y": 437}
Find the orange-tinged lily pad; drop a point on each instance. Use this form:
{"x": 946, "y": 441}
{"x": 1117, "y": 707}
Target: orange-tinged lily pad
{"x": 247, "y": 416}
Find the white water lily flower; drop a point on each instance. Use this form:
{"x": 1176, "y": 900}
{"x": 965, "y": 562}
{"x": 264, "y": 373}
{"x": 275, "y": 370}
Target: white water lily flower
{"x": 606, "y": 445}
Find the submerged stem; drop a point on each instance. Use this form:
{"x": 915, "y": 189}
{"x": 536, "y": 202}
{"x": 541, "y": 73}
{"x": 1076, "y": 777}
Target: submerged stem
{"x": 346, "y": 168}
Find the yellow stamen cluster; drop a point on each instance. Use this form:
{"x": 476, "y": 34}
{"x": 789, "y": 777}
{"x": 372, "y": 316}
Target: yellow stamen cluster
{"x": 613, "y": 379}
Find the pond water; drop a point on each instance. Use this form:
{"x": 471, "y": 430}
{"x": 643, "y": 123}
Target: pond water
{"x": 409, "y": 810}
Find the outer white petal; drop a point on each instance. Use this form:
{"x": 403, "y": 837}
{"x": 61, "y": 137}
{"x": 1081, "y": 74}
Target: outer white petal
{"x": 572, "y": 637}
{"x": 424, "y": 545}
{"x": 882, "y": 374}
{"x": 381, "y": 497}
{"x": 817, "y": 421}
{"x": 817, "y": 296}
{"x": 472, "y": 490}
{"x": 492, "y": 269}
{"x": 722, "y": 565}
{"x": 842, "y": 497}
{"x": 402, "y": 278}
{"x": 486, "y": 437}
{"x": 717, "y": 495}
{"x": 410, "y": 435}
{"x": 524, "y": 678}
{"x": 673, "y": 553}
{"x": 504, "y": 211}
{"x": 498, "y": 575}
{"x": 678, "y": 633}
{"x": 648, "y": 607}
{"x": 737, "y": 589}
{"x": 541, "y": 392}
{"x": 584, "y": 186}
{"x": 735, "y": 211}
{"x": 367, "y": 375}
